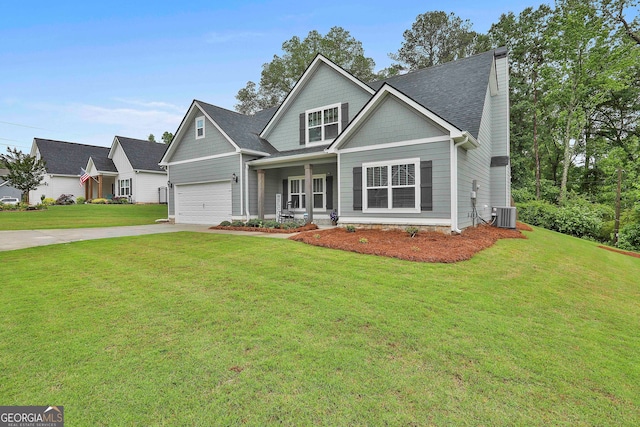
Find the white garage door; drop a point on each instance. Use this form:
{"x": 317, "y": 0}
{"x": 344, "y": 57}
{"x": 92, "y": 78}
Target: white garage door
{"x": 208, "y": 203}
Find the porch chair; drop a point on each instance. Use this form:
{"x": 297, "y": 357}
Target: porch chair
{"x": 287, "y": 214}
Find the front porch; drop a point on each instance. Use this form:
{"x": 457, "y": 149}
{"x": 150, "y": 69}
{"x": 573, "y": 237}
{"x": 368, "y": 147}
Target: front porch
{"x": 100, "y": 187}
{"x": 296, "y": 189}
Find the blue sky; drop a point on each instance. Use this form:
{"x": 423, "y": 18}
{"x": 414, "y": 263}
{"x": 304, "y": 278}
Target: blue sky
{"x": 87, "y": 71}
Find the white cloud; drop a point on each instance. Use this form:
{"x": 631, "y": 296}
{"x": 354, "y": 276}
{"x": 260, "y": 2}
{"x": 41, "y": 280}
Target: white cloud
{"x": 129, "y": 118}
{"x": 150, "y": 104}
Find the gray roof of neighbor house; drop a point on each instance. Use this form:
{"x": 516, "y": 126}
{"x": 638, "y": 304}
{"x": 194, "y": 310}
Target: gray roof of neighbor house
{"x": 242, "y": 129}
{"x": 143, "y": 154}
{"x": 104, "y": 164}
{"x": 66, "y": 158}
{"x": 455, "y": 91}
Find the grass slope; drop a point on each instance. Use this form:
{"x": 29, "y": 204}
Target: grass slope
{"x": 198, "y": 329}
{"x": 82, "y": 216}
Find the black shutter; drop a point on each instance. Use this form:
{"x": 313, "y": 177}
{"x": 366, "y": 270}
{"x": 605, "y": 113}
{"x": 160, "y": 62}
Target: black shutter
{"x": 357, "y": 189}
{"x": 303, "y": 133}
{"x": 285, "y": 193}
{"x": 426, "y": 186}
{"x": 329, "y": 192}
{"x": 345, "y": 115}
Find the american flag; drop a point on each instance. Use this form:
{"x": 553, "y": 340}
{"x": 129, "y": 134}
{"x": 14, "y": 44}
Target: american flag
{"x": 83, "y": 176}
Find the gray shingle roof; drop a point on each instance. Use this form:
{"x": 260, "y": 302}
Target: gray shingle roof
{"x": 66, "y": 158}
{"x": 143, "y": 154}
{"x": 104, "y": 164}
{"x": 455, "y": 91}
{"x": 241, "y": 128}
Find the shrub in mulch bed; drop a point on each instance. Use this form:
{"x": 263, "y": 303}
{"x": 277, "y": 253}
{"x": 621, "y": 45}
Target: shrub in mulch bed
{"x": 423, "y": 247}
{"x": 307, "y": 227}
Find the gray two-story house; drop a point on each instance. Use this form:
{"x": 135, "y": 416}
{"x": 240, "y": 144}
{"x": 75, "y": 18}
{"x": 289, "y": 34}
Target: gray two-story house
{"x": 428, "y": 148}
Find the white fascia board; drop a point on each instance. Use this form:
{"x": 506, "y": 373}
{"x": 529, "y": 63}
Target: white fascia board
{"x": 253, "y": 152}
{"x": 442, "y": 138}
{"x": 287, "y": 159}
{"x": 148, "y": 171}
{"x": 178, "y": 135}
{"x": 200, "y": 159}
{"x": 113, "y": 147}
{"x": 378, "y": 98}
{"x": 319, "y": 59}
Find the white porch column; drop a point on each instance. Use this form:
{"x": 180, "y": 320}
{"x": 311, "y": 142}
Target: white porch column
{"x": 308, "y": 190}
{"x": 260, "y": 193}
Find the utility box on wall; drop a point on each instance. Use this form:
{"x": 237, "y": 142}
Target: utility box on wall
{"x": 505, "y": 216}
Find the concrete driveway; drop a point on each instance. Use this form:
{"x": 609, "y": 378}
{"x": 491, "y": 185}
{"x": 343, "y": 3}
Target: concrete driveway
{"x": 19, "y": 239}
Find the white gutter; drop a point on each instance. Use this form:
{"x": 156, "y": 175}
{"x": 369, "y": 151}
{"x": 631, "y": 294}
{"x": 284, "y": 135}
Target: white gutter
{"x": 454, "y": 183}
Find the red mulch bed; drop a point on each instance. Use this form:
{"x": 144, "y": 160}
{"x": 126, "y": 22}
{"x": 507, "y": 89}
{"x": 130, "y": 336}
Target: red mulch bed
{"x": 633, "y": 254}
{"x": 266, "y": 230}
{"x": 424, "y": 247}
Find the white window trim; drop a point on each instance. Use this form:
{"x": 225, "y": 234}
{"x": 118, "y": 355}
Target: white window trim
{"x": 122, "y": 187}
{"x": 203, "y": 126}
{"x": 324, "y": 193}
{"x": 390, "y": 208}
{"x": 306, "y": 124}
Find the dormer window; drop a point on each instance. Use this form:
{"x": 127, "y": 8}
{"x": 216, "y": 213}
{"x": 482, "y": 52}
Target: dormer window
{"x": 199, "y": 127}
{"x": 323, "y": 124}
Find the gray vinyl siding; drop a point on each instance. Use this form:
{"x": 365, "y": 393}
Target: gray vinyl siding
{"x": 393, "y": 121}
{"x": 437, "y": 152}
{"x": 273, "y": 185}
{"x": 210, "y": 170}
{"x": 501, "y": 175}
{"x": 189, "y": 147}
{"x": 325, "y": 87}
{"x": 474, "y": 165}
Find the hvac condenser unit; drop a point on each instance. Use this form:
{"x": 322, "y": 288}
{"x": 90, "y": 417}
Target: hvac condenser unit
{"x": 505, "y": 217}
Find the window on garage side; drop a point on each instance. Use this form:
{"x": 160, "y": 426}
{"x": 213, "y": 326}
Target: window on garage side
{"x": 199, "y": 127}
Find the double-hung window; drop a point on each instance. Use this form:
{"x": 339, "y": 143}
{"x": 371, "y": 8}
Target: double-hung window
{"x": 298, "y": 197}
{"x": 323, "y": 124}
{"x": 199, "y": 127}
{"x": 392, "y": 186}
{"x": 124, "y": 187}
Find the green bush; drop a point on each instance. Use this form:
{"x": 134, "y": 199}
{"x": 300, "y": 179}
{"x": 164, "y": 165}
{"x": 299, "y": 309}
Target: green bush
{"x": 120, "y": 200}
{"x": 225, "y": 224}
{"x": 580, "y": 219}
{"x": 99, "y": 201}
{"x": 523, "y": 195}
{"x": 80, "y": 200}
{"x": 629, "y": 237}
{"x": 48, "y": 201}
{"x": 237, "y": 223}
{"x": 412, "y": 231}
{"x": 350, "y": 229}
{"x": 257, "y": 223}
{"x": 271, "y": 224}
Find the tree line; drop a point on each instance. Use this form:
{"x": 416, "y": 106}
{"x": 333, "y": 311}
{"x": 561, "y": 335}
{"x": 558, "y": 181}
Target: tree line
{"x": 574, "y": 98}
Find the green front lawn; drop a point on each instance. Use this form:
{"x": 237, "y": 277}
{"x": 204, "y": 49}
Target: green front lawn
{"x": 82, "y": 216}
{"x": 201, "y": 329}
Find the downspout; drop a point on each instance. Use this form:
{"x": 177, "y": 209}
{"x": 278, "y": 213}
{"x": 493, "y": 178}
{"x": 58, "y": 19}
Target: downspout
{"x": 454, "y": 185}
{"x": 246, "y": 190}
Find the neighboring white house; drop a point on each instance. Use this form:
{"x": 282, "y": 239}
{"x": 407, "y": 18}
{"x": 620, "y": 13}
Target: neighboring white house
{"x": 63, "y": 163}
{"x": 129, "y": 168}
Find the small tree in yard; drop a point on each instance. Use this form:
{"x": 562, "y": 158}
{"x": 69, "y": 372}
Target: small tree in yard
{"x": 25, "y": 171}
